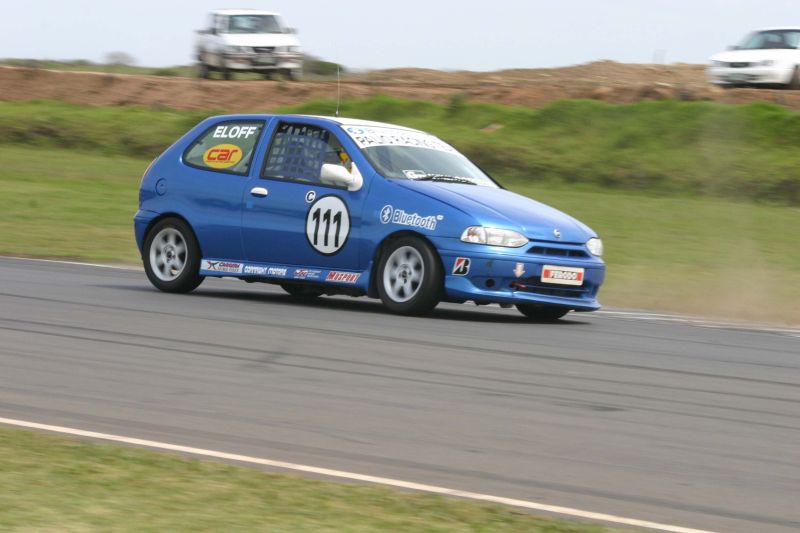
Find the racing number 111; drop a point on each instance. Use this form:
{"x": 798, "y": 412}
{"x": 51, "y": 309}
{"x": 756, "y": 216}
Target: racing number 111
{"x": 326, "y": 218}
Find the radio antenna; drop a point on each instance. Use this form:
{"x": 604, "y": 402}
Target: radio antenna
{"x": 338, "y": 90}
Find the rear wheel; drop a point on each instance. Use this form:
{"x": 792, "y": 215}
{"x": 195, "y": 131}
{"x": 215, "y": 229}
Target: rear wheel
{"x": 172, "y": 256}
{"x": 409, "y": 277}
{"x": 302, "y": 291}
{"x": 542, "y": 313}
{"x": 202, "y": 71}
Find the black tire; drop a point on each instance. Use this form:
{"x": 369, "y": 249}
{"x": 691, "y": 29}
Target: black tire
{"x": 794, "y": 82}
{"x": 226, "y": 74}
{"x": 542, "y": 313}
{"x": 291, "y": 74}
{"x": 202, "y": 71}
{"x": 420, "y": 275}
{"x": 302, "y": 291}
{"x": 157, "y": 253}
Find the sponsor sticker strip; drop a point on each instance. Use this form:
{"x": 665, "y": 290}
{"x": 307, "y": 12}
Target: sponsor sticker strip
{"x": 367, "y": 136}
{"x": 461, "y": 266}
{"x": 562, "y": 275}
{"x": 403, "y": 218}
{"x": 343, "y": 277}
{"x": 222, "y": 266}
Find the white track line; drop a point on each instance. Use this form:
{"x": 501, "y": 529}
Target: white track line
{"x": 75, "y": 263}
{"x": 576, "y": 513}
{"x": 610, "y": 313}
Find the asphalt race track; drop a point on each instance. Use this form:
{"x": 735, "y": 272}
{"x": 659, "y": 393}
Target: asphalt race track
{"x": 645, "y": 418}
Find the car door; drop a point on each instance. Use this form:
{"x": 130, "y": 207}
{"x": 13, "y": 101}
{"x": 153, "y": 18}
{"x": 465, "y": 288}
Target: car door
{"x": 207, "y": 187}
{"x": 290, "y": 216}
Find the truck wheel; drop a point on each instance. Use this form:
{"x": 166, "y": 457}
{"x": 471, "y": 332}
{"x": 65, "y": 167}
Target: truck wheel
{"x": 542, "y": 313}
{"x": 172, "y": 256}
{"x": 226, "y": 74}
{"x": 202, "y": 71}
{"x": 409, "y": 277}
{"x": 794, "y": 81}
{"x": 292, "y": 74}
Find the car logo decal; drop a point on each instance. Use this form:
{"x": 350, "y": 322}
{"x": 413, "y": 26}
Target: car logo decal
{"x": 311, "y": 196}
{"x": 386, "y": 214}
{"x": 519, "y": 270}
{"x": 461, "y": 266}
{"x": 557, "y": 233}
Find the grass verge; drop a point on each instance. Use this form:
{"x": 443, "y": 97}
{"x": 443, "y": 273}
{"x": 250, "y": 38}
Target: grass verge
{"x": 698, "y": 255}
{"x": 747, "y": 152}
{"x": 56, "y": 484}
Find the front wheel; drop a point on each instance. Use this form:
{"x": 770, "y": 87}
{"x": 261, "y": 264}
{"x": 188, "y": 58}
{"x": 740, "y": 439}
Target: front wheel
{"x": 410, "y": 277}
{"x": 202, "y": 71}
{"x": 542, "y": 313}
{"x": 172, "y": 256}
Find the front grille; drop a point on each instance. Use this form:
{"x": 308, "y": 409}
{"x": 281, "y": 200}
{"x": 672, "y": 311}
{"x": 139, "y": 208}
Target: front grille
{"x": 740, "y": 65}
{"x": 264, "y": 49}
{"x": 557, "y": 252}
{"x": 534, "y": 285}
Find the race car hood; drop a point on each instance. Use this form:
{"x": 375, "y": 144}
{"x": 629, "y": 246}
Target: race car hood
{"x": 501, "y": 208}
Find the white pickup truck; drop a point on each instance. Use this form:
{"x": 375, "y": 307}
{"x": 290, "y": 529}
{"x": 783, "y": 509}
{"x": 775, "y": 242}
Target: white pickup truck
{"x": 248, "y": 40}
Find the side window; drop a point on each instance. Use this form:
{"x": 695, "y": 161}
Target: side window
{"x": 222, "y": 24}
{"x": 225, "y": 147}
{"x": 298, "y": 152}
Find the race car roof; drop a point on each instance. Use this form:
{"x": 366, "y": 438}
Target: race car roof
{"x": 343, "y": 121}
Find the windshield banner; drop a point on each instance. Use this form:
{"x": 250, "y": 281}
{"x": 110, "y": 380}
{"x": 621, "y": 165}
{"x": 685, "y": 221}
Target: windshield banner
{"x": 367, "y": 136}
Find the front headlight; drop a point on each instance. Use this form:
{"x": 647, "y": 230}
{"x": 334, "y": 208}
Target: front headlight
{"x": 766, "y": 63}
{"x": 595, "y": 246}
{"x": 493, "y": 237}
{"x": 718, "y": 64}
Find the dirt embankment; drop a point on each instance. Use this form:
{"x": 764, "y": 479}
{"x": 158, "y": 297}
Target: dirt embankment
{"x": 604, "y": 80}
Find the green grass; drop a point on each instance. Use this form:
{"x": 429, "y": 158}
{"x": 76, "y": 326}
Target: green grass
{"x": 58, "y": 203}
{"x": 748, "y": 152}
{"x": 676, "y": 253}
{"x": 55, "y": 484}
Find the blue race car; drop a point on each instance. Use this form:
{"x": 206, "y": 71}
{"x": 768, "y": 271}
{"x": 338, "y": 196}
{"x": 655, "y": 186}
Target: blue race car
{"x": 341, "y": 206}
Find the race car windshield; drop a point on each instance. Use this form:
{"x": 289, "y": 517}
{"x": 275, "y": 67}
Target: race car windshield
{"x": 770, "y": 40}
{"x": 254, "y": 24}
{"x": 425, "y": 164}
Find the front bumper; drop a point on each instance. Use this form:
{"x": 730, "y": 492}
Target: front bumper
{"x": 771, "y": 75}
{"x": 262, "y": 62}
{"x": 513, "y": 276}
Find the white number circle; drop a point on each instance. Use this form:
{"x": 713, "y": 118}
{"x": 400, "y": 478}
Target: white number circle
{"x": 327, "y": 225}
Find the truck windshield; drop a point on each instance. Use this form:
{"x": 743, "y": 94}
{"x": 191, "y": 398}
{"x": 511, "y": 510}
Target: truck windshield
{"x": 764, "y": 40}
{"x": 255, "y": 24}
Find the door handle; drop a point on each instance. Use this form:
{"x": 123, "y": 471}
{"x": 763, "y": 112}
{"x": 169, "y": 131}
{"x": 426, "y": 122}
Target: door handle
{"x": 259, "y": 192}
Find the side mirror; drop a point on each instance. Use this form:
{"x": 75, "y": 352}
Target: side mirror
{"x": 337, "y": 175}
{"x": 733, "y": 47}
{"x": 291, "y": 30}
